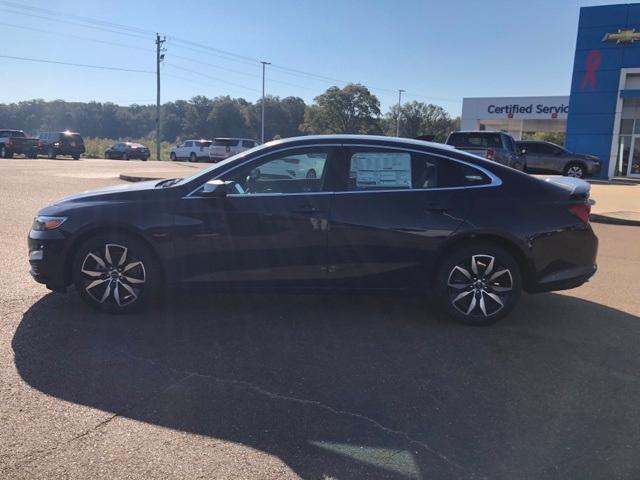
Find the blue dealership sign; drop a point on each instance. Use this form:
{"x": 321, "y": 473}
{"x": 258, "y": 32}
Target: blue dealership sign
{"x": 608, "y": 41}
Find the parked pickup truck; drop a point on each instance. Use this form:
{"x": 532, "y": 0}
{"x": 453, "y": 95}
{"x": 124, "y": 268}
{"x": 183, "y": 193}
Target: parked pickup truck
{"x": 16, "y": 142}
{"x": 497, "y": 146}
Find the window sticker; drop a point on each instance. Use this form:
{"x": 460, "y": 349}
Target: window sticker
{"x": 381, "y": 170}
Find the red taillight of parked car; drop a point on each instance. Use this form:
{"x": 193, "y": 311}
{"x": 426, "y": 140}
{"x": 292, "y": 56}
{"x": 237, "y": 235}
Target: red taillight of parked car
{"x": 582, "y": 211}
{"x": 490, "y": 153}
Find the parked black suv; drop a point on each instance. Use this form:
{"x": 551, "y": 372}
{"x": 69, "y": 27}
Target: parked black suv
{"x": 53, "y": 144}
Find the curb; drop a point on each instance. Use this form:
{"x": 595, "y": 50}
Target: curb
{"x": 599, "y": 218}
{"x": 136, "y": 178}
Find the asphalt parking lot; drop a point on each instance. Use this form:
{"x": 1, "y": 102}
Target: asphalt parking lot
{"x": 318, "y": 387}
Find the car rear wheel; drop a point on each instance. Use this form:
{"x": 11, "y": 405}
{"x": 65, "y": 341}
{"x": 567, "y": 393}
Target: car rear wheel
{"x": 478, "y": 283}
{"x": 575, "y": 170}
{"x": 51, "y": 153}
{"x": 3, "y": 152}
{"x": 192, "y": 157}
{"x": 172, "y": 156}
{"x": 125, "y": 156}
{"x": 76, "y": 157}
{"x": 116, "y": 273}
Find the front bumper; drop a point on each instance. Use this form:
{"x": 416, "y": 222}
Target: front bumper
{"x": 47, "y": 258}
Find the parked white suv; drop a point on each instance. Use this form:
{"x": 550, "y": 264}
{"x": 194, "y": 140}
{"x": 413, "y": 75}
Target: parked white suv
{"x": 192, "y": 150}
{"x": 222, "y": 148}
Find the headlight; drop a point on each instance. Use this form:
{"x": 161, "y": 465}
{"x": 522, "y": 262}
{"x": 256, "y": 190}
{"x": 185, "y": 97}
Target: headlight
{"x": 42, "y": 222}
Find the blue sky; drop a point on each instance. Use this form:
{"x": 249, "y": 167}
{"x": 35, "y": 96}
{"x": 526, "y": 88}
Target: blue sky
{"x": 438, "y": 51}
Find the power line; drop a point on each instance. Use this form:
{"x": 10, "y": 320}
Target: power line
{"x": 84, "y": 65}
{"x": 79, "y": 37}
{"x": 68, "y": 22}
{"x": 90, "y": 20}
{"x": 195, "y": 72}
{"x": 179, "y": 42}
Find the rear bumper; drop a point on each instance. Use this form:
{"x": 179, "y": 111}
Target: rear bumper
{"x": 564, "y": 259}
{"x": 565, "y": 280}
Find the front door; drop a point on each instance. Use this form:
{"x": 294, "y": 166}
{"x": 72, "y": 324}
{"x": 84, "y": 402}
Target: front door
{"x": 391, "y": 218}
{"x": 270, "y": 230}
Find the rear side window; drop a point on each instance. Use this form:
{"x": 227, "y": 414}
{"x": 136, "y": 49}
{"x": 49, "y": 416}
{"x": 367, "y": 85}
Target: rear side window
{"x": 203, "y": 144}
{"x": 475, "y": 140}
{"x": 247, "y": 144}
{"x": 221, "y": 142}
{"x": 400, "y": 170}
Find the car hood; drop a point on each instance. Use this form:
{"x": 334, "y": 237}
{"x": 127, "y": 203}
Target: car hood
{"x": 115, "y": 192}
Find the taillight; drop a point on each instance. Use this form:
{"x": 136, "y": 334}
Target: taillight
{"x": 490, "y": 153}
{"x": 581, "y": 211}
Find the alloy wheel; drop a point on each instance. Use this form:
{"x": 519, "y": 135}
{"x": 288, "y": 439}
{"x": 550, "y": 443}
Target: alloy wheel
{"x": 480, "y": 286}
{"x": 575, "y": 171}
{"x": 113, "y": 276}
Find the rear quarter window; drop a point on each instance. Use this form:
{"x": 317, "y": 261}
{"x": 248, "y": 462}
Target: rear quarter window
{"x": 475, "y": 140}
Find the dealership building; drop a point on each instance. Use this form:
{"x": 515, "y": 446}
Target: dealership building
{"x": 601, "y": 116}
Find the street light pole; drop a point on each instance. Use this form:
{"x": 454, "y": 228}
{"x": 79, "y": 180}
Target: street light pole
{"x": 264, "y": 64}
{"x": 398, "y": 118}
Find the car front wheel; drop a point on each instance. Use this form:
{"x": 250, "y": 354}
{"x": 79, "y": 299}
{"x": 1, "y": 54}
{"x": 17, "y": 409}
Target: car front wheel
{"x": 479, "y": 283}
{"x": 115, "y": 273}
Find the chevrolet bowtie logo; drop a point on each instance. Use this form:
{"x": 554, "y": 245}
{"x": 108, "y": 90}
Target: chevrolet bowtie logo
{"x": 628, "y": 35}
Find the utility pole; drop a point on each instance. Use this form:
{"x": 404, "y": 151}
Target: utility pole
{"x": 159, "y": 58}
{"x": 264, "y": 64}
{"x": 400, "y": 92}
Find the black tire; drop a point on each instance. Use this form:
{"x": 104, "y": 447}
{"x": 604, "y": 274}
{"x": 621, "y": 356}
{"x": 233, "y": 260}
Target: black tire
{"x": 575, "y": 169}
{"x": 3, "y": 151}
{"x": 125, "y": 156}
{"x": 126, "y": 293}
{"x": 51, "y": 153}
{"x": 478, "y": 299}
{"x": 311, "y": 174}
{"x": 76, "y": 157}
{"x": 193, "y": 158}
{"x": 144, "y": 159}
{"x": 173, "y": 157}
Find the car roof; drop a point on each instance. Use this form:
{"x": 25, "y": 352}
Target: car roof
{"x": 356, "y": 138}
{"x": 478, "y": 131}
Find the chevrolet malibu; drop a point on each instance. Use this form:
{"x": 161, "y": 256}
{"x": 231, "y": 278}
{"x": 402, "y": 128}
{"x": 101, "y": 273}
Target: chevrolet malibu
{"x": 380, "y": 213}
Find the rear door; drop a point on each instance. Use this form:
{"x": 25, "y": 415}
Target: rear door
{"x": 391, "y": 212}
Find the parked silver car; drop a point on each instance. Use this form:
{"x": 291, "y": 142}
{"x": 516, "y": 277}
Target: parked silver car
{"x": 547, "y": 157}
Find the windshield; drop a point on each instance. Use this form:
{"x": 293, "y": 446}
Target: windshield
{"x": 223, "y": 163}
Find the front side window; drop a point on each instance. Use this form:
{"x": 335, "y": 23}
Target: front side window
{"x": 293, "y": 171}
{"x": 374, "y": 169}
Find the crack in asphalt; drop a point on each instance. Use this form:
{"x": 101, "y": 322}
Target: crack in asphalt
{"x": 34, "y": 455}
{"x": 315, "y": 403}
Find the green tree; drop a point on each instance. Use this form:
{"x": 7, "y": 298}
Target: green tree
{"x": 352, "y": 109}
{"x": 418, "y": 119}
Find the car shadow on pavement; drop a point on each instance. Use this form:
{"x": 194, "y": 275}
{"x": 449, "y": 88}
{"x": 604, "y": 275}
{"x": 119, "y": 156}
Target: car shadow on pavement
{"x": 358, "y": 386}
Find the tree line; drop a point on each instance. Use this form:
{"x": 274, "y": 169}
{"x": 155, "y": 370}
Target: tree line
{"x": 351, "y": 109}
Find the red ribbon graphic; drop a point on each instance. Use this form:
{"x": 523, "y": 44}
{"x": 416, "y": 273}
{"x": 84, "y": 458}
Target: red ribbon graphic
{"x": 592, "y": 63}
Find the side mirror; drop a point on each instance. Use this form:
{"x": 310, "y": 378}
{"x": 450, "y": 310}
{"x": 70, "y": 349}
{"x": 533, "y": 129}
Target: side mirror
{"x": 215, "y": 188}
